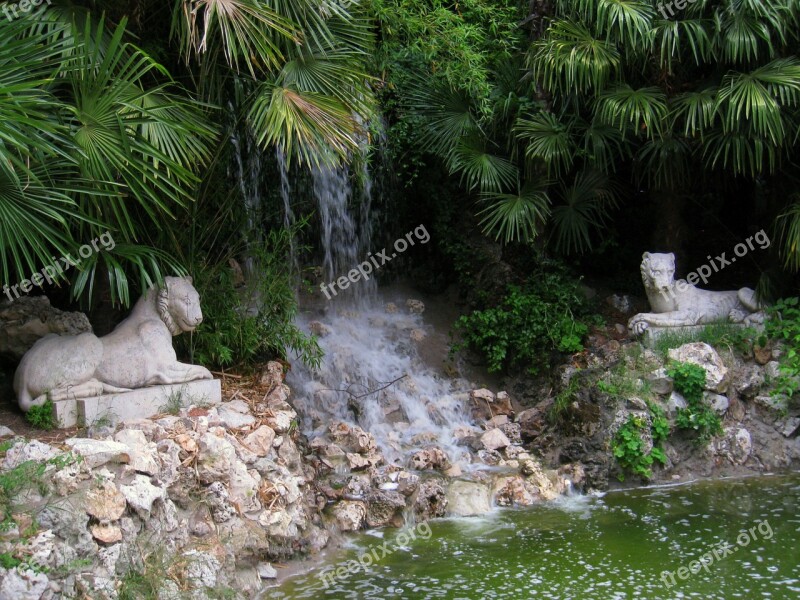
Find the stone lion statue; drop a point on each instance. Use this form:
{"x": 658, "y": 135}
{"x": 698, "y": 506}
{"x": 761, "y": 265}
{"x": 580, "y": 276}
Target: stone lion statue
{"x": 681, "y": 304}
{"x": 137, "y": 354}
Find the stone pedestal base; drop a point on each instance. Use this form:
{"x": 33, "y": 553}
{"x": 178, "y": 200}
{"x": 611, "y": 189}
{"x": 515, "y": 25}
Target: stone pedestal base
{"x": 137, "y": 404}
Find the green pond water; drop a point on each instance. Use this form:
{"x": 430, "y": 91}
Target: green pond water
{"x": 613, "y": 546}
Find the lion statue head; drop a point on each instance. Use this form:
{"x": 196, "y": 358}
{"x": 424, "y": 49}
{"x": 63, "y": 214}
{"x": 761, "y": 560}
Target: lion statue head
{"x": 658, "y": 271}
{"x": 178, "y": 305}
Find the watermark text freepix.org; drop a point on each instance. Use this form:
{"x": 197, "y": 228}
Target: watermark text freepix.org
{"x": 374, "y": 554}
{"x": 60, "y": 266}
{"x": 715, "y": 265}
{"x": 721, "y": 550}
{"x": 12, "y": 9}
{"x": 375, "y": 262}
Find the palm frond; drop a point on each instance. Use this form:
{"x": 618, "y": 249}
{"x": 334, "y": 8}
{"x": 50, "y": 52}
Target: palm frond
{"x": 584, "y": 207}
{"x": 641, "y": 111}
{"x": 246, "y": 31}
{"x": 516, "y": 217}
{"x": 571, "y": 58}
{"x": 677, "y": 40}
{"x": 788, "y": 226}
{"x": 549, "y": 140}
{"x": 479, "y": 168}
{"x": 309, "y": 126}
{"x": 698, "y": 110}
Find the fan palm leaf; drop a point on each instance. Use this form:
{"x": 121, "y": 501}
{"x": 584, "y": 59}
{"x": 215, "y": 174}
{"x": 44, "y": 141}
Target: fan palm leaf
{"x": 584, "y": 207}
{"x": 549, "y": 140}
{"x": 516, "y": 217}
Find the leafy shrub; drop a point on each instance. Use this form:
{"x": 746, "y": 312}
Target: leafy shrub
{"x": 628, "y": 445}
{"x": 547, "y": 314}
{"x": 41, "y": 417}
{"x": 254, "y": 323}
{"x": 784, "y": 324}
{"x": 690, "y": 380}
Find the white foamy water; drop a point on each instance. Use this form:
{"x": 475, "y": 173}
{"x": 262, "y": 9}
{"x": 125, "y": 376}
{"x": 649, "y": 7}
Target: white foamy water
{"x": 367, "y": 349}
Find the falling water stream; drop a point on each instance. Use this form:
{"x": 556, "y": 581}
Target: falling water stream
{"x": 372, "y": 374}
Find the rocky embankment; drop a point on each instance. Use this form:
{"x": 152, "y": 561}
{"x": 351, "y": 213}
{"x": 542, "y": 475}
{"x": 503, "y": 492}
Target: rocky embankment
{"x": 200, "y": 503}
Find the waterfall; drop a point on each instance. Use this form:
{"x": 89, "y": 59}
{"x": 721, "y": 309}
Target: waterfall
{"x": 372, "y": 374}
{"x": 288, "y": 213}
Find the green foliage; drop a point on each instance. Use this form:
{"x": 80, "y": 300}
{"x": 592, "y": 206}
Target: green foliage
{"x": 784, "y": 325}
{"x": 628, "y": 447}
{"x": 26, "y": 475}
{"x": 562, "y": 401}
{"x": 41, "y": 417}
{"x": 547, "y": 314}
{"x": 690, "y": 382}
{"x": 256, "y": 322}
{"x": 9, "y": 561}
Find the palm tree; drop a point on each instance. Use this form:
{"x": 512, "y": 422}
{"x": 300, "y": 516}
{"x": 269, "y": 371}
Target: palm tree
{"x": 672, "y": 101}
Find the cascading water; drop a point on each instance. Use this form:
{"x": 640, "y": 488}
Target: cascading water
{"x": 372, "y": 374}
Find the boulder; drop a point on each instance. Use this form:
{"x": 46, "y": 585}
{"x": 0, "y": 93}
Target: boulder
{"x": 430, "y": 501}
{"x": 703, "y": 355}
{"x": 215, "y": 459}
{"x": 430, "y": 458}
{"x": 718, "y": 403}
{"x": 468, "y": 498}
{"x": 495, "y": 439}
{"x": 96, "y": 453}
{"x": 350, "y": 515}
{"x": 660, "y": 382}
{"x": 34, "y": 450}
{"x": 23, "y": 584}
{"x": 260, "y": 441}
{"x": 141, "y": 494}
{"x": 748, "y": 381}
{"x": 29, "y": 318}
{"x": 143, "y": 454}
{"x": 105, "y": 502}
{"x": 384, "y": 507}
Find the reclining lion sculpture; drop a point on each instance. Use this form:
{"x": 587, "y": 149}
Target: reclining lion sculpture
{"x": 681, "y": 304}
{"x": 137, "y": 354}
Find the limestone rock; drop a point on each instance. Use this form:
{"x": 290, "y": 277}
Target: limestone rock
{"x": 736, "y": 445}
{"x": 267, "y": 571}
{"x": 383, "y": 507}
{"x": 748, "y": 381}
{"x": 23, "y": 584}
{"x": 350, "y": 515}
{"x": 512, "y": 491}
{"x": 96, "y": 453}
{"x": 107, "y": 533}
{"x": 319, "y": 329}
{"x": 660, "y": 382}
{"x": 468, "y": 498}
{"x": 415, "y": 306}
{"x": 29, "y": 318}
{"x": 484, "y": 404}
{"x": 234, "y": 418}
{"x": 201, "y": 568}
{"x": 215, "y": 459}
{"x": 143, "y": 454}
{"x": 272, "y": 375}
{"x": 24, "y": 451}
{"x": 431, "y": 501}
{"x": 141, "y": 494}
{"x": 717, "y": 402}
{"x": 6, "y": 432}
{"x": 429, "y": 458}
{"x": 700, "y": 353}
{"x": 260, "y": 441}
{"x": 106, "y": 502}
{"x": 495, "y": 439}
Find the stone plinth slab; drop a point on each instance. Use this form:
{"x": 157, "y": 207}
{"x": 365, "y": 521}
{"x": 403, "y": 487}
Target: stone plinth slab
{"x": 137, "y": 404}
